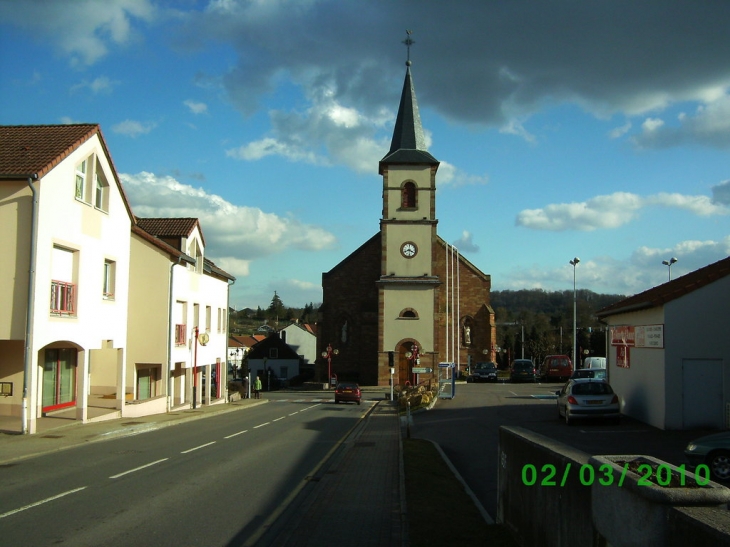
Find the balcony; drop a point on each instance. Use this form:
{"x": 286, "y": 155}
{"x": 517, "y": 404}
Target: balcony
{"x": 63, "y": 298}
{"x": 180, "y": 331}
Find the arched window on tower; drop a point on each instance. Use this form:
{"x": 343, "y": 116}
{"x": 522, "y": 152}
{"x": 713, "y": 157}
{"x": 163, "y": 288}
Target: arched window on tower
{"x": 408, "y": 196}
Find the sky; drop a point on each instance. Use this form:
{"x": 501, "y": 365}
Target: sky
{"x": 564, "y": 128}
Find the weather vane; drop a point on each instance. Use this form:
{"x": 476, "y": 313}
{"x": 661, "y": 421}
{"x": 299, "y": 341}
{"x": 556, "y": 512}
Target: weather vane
{"x": 408, "y": 42}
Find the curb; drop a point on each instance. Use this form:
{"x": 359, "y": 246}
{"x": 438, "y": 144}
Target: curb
{"x": 487, "y": 518}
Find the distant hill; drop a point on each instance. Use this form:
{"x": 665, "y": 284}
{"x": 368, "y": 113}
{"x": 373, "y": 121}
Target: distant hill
{"x": 547, "y": 318}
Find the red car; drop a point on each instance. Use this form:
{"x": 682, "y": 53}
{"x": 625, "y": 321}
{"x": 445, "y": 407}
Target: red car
{"x": 347, "y": 391}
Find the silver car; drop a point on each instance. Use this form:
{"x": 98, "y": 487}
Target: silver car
{"x": 588, "y": 398}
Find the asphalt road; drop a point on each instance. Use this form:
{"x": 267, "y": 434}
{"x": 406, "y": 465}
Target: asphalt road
{"x": 205, "y": 482}
{"x": 467, "y": 429}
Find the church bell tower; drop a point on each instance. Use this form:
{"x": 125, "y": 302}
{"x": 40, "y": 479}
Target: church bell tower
{"x": 407, "y": 285}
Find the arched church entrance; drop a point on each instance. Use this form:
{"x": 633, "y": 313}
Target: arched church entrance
{"x": 408, "y": 357}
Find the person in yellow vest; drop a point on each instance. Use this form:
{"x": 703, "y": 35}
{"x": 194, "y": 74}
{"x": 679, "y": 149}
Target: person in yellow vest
{"x": 257, "y": 387}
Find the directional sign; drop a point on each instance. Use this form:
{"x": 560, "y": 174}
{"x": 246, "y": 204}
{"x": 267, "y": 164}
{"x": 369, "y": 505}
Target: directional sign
{"x": 422, "y": 370}
{"x": 446, "y": 365}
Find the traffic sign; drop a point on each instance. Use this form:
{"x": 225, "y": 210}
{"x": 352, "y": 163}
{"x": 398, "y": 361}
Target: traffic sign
{"x": 422, "y": 370}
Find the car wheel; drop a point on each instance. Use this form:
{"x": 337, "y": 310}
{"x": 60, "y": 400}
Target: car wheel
{"x": 719, "y": 464}
{"x": 336, "y": 401}
{"x": 358, "y": 402}
{"x": 568, "y": 421}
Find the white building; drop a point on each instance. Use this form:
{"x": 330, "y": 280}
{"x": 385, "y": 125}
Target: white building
{"x": 669, "y": 358}
{"x": 101, "y": 315}
{"x": 64, "y": 275}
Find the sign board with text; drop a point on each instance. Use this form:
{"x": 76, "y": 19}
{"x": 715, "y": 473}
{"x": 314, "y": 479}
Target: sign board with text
{"x": 638, "y": 336}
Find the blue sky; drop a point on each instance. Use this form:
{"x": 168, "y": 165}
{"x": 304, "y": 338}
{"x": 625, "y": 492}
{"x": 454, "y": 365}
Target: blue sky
{"x": 592, "y": 129}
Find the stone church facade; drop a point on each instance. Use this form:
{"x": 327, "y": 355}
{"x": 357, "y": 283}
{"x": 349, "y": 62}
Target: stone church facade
{"x": 405, "y": 299}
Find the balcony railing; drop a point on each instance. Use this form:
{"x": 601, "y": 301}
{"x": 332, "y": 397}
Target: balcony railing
{"x": 63, "y": 298}
{"x": 180, "y": 331}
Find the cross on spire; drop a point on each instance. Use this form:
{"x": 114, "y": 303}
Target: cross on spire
{"x": 408, "y": 42}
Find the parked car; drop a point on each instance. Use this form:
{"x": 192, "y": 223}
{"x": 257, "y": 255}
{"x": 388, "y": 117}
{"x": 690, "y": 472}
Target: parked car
{"x": 556, "y": 367}
{"x": 483, "y": 372}
{"x": 594, "y": 362}
{"x": 522, "y": 370}
{"x": 713, "y": 451}
{"x": 588, "y": 398}
{"x": 347, "y": 391}
{"x": 597, "y": 373}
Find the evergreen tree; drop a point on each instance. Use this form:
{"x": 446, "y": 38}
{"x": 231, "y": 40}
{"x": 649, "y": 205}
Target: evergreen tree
{"x": 276, "y": 309}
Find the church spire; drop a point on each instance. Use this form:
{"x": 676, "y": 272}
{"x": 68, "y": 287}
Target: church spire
{"x": 409, "y": 142}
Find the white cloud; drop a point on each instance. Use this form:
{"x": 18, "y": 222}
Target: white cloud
{"x": 652, "y": 124}
{"x": 83, "y": 30}
{"x": 611, "y": 211}
{"x": 620, "y": 131}
{"x": 196, "y": 107}
{"x": 133, "y": 128}
{"x": 235, "y": 235}
{"x": 99, "y": 85}
{"x": 466, "y": 244}
{"x": 514, "y": 127}
{"x": 642, "y": 270}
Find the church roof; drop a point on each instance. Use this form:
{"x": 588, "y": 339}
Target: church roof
{"x": 408, "y": 145}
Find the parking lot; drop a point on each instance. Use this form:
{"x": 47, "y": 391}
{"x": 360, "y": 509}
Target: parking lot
{"x": 467, "y": 426}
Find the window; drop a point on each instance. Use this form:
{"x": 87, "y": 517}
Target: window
{"x": 80, "y": 180}
{"x": 101, "y": 192}
{"x": 208, "y": 316}
{"x": 273, "y": 353}
{"x": 91, "y": 184}
{"x": 408, "y": 313}
{"x": 147, "y": 378}
{"x": 110, "y": 268}
{"x": 408, "y": 196}
{"x": 63, "y": 286}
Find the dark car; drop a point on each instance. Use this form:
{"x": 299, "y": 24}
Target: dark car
{"x": 522, "y": 370}
{"x": 588, "y": 398}
{"x": 556, "y": 367}
{"x": 483, "y": 372}
{"x": 712, "y": 451}
{"x": 347, "y": 391}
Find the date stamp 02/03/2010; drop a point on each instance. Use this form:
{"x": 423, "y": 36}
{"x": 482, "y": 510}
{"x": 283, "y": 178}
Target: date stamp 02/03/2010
{"x": 662, "y": 475}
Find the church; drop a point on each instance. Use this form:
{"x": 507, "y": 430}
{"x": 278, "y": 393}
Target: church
{"x": 405, "y": 299}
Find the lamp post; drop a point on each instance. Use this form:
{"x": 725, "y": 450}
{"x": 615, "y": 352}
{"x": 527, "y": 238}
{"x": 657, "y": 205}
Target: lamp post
{"x": 328, "y": 355}
{"x": 574, "y": 263}
{"x": 669, "y": 263}
{"x": 234, "y": 357}
{"x": 413, "y": 357}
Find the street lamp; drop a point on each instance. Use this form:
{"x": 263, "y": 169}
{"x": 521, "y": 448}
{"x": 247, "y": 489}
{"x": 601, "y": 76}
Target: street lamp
{"x": 328, "y": 355}
{"x": 574, "y": 263}
{"x": 414, "y": 358}
{"x": 669, "y": 263}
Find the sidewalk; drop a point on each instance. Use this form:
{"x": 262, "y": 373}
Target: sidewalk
{"x": 356, "y": 496}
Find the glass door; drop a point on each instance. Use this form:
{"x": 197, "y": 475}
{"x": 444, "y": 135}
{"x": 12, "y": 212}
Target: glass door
{"x": 59, "y": 379}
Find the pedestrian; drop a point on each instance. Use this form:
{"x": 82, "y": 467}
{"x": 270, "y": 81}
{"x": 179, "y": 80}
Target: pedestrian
{"x": 257, "y": 387}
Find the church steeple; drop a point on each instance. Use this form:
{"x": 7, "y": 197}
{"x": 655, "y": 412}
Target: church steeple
{"x": 408, "y": 145}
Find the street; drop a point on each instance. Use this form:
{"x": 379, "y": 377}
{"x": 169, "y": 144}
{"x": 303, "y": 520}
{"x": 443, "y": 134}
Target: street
{"x": 467, "y": 428}
{"x": 206, "y": 482}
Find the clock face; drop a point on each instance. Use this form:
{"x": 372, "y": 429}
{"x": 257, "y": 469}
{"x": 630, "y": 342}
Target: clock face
{"x": 409, "y": 249}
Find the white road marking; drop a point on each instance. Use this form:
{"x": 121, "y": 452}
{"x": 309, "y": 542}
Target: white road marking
{"x": 197, "y": 448}
{"x": 261, "y": 425}
{"x": 137, "y": 469}
{"x": 280, "y": 418}
{"x": 36, "y": 504}
{"x": 236, "y": 434}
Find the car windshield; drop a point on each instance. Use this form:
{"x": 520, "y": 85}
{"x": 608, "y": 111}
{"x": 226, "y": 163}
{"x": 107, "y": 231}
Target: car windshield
{"x": 485, "y": 366}
{"x": 347, "y": 386}
{"x": 523, "y": 366}
{"x": 592, "y": 388}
